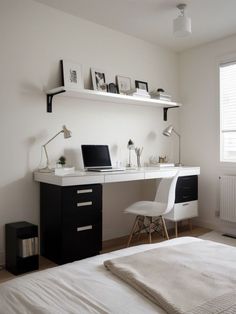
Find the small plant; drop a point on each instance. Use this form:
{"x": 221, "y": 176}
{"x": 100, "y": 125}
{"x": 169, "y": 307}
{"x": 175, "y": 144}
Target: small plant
{"x": 62, "y": 160}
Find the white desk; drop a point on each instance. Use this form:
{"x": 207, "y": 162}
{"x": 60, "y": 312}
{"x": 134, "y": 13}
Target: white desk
{"x": 71, "y": 208}
{"x": 85, "y": 177}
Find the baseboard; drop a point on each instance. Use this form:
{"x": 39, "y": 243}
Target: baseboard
{"x": 205, "y": 224}
{"x": 221, "y": 226}
{"x": 2, "y": 258}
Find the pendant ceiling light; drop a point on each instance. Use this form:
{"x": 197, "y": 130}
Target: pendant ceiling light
{"x": 182, "y": 24}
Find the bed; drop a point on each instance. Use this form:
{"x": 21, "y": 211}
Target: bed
{"x": 84, "y": 286}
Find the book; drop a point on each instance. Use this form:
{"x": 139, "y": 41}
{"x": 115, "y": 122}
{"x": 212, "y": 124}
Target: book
{"x": 137, "y": 91}
{"x": 160, "y": 96}
{"x": 138, "y": 95}
{"x": 165, "y": 164}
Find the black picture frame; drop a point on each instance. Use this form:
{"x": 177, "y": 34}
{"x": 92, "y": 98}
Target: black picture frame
{"x": 141, "y": 85}
{"x": 112, "y": 88}
{"x": 98, "y": 80}
{"x": 71, "y": 74}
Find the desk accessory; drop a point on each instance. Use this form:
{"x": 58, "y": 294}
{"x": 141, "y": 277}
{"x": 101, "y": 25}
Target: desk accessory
{"x": 130, "y": 147}
{"x": 165, "y": 164}
{"x": 64, "y": 170}
{"x": 67, "y": 134}
{"x": 167, "y": 132}
{"x": 138, "y": 152}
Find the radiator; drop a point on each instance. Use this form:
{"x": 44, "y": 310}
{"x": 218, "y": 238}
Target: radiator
{"x": 228, "y": 198}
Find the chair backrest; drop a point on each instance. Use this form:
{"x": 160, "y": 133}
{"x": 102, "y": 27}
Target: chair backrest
{"x": 166, "y": 192}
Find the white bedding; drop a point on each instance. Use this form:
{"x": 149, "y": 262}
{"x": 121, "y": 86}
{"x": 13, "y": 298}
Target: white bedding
{"x": 204, "y": 273}
{"x": 80, "y": 287}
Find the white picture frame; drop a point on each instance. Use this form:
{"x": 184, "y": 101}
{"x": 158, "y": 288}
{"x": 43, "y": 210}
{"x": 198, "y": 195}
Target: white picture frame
{"x": 72, "y": 75}
{"x": 99, "y": 80}
{"x": 123, "y": 84}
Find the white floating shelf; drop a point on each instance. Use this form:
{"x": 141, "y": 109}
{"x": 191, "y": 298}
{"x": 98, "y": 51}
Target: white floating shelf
{"x": 108, "y": 97}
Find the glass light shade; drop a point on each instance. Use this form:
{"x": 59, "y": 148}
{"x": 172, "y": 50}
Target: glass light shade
{"x": 182, "y": 26}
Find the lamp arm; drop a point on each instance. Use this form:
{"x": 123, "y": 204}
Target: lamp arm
{"x": 44, "y": 146}
{"x": 176, "y": 132}
{"x": 53, "y": 137}
{"x": 46, "y": 154}
{"x": 179, "y": 145}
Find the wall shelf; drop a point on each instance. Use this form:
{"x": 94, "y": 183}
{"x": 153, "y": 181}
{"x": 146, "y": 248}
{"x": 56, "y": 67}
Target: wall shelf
{"x": 109, "y": 97}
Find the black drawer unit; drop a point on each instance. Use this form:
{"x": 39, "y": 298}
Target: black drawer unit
{"x": 186, "y": 189}
{"x": 21, "y": 247}
{"x": 71, "y": 221}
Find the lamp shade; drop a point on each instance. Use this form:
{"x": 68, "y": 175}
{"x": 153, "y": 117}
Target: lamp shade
{"x": 67, "y": 133}
{"x": 130, "y": 144}
{"x": 182, "y": 26}
{"x": 168, "y": 131}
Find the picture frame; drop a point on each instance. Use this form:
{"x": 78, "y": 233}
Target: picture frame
{"x": 141, "y": 85}
{"x": 72, "y": 75}
{"x": 98, "y": 80}
{"x": 112, "y": 88}
{"x": 123, "y": 84}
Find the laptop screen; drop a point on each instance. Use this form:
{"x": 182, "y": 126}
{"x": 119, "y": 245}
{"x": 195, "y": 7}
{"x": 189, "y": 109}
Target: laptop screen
{"x": 96, "y": 156}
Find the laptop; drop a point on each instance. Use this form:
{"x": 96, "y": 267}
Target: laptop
{"x": 97, "y": 158}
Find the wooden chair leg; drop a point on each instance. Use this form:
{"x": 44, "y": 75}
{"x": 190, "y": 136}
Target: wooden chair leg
{"x": 150, "y": 230}
{"x": 176, "y": 229}
{"x": 164, "y": 227}
{"x": 141, "y": 220}
{"x": 132, "y": 230}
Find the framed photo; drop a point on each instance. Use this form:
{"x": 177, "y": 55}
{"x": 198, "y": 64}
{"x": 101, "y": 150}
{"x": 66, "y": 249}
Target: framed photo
{"x": 112, "y": 88}
{"x": 141, "y": 85}
{"x": 99, "y": 80}
{"x": 123, "y": 84}
{"x": 72, "y": 77}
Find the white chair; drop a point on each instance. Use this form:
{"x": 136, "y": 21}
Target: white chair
{"x": 149, "y": 214}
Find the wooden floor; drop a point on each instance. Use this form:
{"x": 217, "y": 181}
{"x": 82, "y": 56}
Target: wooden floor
{"x": 116, "y": 244}
{"x": 120, "y": 243}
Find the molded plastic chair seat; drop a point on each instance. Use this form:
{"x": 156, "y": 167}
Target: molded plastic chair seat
{"x": 149, "y": 214}
{"x": 147, "y": 208}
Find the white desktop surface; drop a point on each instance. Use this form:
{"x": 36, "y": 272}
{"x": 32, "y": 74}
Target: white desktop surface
{"x": 86, "y": 177}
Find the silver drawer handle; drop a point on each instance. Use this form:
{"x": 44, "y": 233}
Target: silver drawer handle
{"x": 84, "y": 191}
{"x": 186, "y": 204}
{"x": 84, "y": 204}
{"x": 84, "y": 228}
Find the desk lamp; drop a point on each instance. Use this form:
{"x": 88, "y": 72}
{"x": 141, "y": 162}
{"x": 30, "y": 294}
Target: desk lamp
{"x": 67, "y": 134}
{"x": 167, "y": 132}
{"x": 130, "y": 146}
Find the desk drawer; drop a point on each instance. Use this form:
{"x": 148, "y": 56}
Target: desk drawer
{"x": 81, "y": 241}
{"x": 79, "y": 201}
{"x": 186, "y": 189}
{"x": 82, "y": 193}
{"x": 183, "y": 211}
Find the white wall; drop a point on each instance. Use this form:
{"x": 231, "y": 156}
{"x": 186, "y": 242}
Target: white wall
{"x": 200, "y": 124}
{"x": 33, "y": 39}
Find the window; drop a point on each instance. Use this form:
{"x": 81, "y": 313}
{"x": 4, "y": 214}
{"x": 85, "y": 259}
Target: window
{"x": 228, "y": 112}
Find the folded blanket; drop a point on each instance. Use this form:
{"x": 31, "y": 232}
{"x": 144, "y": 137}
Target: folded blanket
{"x": 194, "y": 278}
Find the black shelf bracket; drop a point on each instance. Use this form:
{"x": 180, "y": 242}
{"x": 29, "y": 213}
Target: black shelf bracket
{"x": 50, "y": 98}
{"x": 165, "y": 110}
